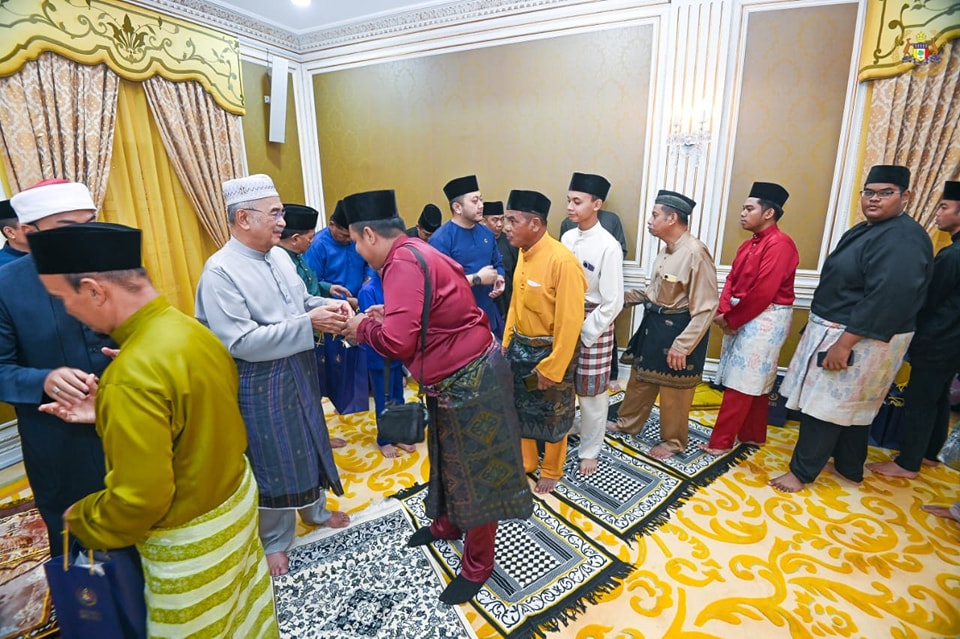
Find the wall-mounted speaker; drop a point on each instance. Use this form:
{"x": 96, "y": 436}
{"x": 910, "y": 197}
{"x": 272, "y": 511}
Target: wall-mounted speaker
{"x": 278, "y": 100}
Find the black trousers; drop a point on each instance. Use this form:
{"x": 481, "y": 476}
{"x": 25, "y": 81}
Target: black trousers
{"x": 926, "y": 413}
{"x": 820, "y": 440}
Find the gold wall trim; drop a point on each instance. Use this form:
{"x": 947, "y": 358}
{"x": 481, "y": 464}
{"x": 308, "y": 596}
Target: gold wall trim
{"x": 135, "y": 43}
{"x": 893, "y": 29}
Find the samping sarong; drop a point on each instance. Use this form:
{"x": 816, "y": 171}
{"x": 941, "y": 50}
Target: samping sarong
{"x": 287, "y": 439}
{"x": 748, "y": 359}
{"x": 548, "y": 414}
{"x": 850, "y": 397}
{"x": 476, "y": 469}
{"x": 593, "y": 364}
{"x": 649, "y": 346}
{"x": 209, "y": 577}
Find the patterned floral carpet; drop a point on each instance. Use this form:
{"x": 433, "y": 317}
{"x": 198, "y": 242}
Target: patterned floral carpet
{"x": 741, "y": 560}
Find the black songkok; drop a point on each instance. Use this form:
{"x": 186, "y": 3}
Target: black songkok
{"x": 676, "y": 201}
{"x": 595, "y": 185}
{"x": 430, "y": 218}
{"x": 370, "y": 205}
{"x": 300, "y": 217}
{"x": 889, "y": 174}
{"x": 461, "y": 186}
{"x": 95, "y": 247}
{"x": 339, "y": 216}
{"x": 6, "y": 210}
{"x": 951, "y": 191}
{"x": 529, "y": 202}
{"x": 770, "y": 192}
{"x": 492, "y": 208}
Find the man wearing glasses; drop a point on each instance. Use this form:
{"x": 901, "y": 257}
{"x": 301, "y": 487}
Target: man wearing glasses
{"x": 862, "y": 318}
{"x": 251, "y": 297}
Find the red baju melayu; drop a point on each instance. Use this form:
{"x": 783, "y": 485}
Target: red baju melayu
{"x": 757, "y": 303}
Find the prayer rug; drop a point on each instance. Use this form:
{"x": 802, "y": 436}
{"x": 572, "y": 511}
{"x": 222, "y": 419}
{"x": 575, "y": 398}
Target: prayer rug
{"x": 25, "y": 607}
{"x": 629, "y": 495}
{"x": 692, "y": 463}
{"x": 364, "y": 582}
{"x": 546, "y": 572}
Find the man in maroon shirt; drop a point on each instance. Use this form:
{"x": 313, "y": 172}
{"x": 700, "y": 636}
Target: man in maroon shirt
{"x": 755, "y": 312}
{"x": 476, "y": 470}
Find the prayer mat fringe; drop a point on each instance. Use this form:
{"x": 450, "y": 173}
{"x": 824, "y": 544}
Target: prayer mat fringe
{"x": 554, "y": 620}
{"x": 731, "y": 459}
{"x": 649, "y": 525}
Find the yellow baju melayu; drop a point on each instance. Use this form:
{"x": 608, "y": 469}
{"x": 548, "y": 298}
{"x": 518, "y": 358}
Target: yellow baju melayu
{"x": 549, "y": 290}
{"x": 177, "y": 484}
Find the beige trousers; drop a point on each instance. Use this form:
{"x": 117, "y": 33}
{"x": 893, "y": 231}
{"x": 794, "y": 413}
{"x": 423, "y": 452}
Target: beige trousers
{"x": 674, "y": 411}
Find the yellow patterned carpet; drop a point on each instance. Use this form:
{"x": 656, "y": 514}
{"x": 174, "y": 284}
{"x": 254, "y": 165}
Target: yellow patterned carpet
{"x": 739, "y": 560}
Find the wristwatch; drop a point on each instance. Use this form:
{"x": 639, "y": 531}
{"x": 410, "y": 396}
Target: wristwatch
{"x": 475, "y": 280}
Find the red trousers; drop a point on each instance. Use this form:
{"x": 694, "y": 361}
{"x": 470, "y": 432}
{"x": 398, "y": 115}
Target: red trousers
{"x": 477, "y": 562}
{"x": 743, "y": 415}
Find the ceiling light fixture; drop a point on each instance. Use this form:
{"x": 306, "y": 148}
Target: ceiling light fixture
{"x": 301, "y": 3}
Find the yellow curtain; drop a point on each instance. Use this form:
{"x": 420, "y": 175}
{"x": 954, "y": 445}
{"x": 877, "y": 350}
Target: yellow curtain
{"x": 143, "y": 191}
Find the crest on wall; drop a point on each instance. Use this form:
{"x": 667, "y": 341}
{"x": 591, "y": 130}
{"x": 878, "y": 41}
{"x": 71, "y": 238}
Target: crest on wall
{"x": 923, "y": 51}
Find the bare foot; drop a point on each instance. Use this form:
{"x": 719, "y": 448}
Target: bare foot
{"x": 389, "y": 451}
{"x": 940, "y": 511}
{"x": 830, "y": 468}
{"x": 336, "y": 442}
{"x": 892, "y": 469}
{"x": 714, "y": 451}
{"x": 787, "y": 483}
{"x": 278, "y": 563}
{"x": 661, "y": 451}
{"x": 545, "y": 486}
{"x": 614, "y": 427}
{"x": 407, "y": 448}
{"x": 588, "y": 467}
{"x": 932, "y": 463}
{"x": 337, "y": 520}
{"x": 614, "y": 386}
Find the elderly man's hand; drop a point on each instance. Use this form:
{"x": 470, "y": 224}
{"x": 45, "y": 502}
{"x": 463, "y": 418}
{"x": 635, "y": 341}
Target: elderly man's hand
{"x": 328, "y": 319}
{"x": 82, "y": 412}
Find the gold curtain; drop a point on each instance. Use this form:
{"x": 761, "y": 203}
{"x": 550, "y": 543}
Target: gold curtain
{"x": 915, "y": 122}
{"x": 144, "y": 191}
{"x": 57, "y": 121}
{"x": 204, "y": 144}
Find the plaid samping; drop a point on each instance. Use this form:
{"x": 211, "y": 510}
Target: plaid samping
{"x": 593, "y": 367}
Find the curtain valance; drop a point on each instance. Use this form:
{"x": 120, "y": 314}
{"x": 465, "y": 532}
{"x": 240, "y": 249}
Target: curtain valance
{"x": 898, "y": 35}
{"x": 135, "y": 43}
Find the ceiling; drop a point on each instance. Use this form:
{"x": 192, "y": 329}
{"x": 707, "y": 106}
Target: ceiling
{"x": 321, "y": 14}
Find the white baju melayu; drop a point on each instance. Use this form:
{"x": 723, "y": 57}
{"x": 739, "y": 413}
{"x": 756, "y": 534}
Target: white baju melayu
{"x": 601, "y": 257}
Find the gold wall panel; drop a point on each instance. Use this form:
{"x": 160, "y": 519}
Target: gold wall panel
{"x": 522, "y": 115}
{"x": 280, "y": 161}
{"x": 794, "y": 83}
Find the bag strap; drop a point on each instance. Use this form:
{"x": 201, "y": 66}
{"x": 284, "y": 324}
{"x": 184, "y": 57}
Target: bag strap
{"x": 425, "y": 314}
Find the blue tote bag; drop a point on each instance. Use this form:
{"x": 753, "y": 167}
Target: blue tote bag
{"x": 103, "y": 599}
{"x": 346, "y": 371}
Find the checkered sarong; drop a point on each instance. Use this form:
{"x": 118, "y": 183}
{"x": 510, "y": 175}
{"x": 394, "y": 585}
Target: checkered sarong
{"x": 593, "y": 366}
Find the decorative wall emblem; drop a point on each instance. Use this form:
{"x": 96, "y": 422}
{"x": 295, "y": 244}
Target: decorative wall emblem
{"x": 923, "y": 51}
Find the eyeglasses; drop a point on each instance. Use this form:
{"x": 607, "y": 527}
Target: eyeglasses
{"x": 868, "y": 194}
{"x": 276, "y": 216}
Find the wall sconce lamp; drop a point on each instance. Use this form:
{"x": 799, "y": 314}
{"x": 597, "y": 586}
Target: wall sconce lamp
{"x": 688, "y": 144}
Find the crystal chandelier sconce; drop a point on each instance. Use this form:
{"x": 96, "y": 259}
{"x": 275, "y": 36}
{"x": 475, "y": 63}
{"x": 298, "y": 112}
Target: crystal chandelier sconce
{"x": 689, "y": 144}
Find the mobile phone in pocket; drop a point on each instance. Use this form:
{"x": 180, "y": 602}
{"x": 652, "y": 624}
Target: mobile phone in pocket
{"x": 822, "y": 354}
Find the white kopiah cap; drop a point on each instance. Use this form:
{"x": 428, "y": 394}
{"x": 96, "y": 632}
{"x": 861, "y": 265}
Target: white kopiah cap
{"x": 49, "y": 197}
{"x": 248, "y": 189}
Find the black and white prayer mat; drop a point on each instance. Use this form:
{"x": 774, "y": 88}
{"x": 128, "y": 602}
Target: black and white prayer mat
{"x": 628, "y": 494}
{"x": 364, "y": 582}
{"x": 693, "y": 463}
{"x": 546, "y": 571}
